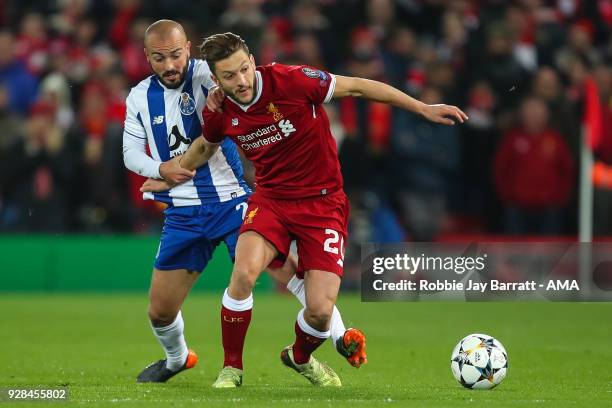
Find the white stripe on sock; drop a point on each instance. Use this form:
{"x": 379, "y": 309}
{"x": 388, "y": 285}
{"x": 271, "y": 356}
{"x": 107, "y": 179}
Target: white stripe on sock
{"x": 172, "y": 340}
{"x": 336, "y": 326}
{"x": 296, "y": 286}
{"x": 306, "y": 328}
{"x": 237, "y": 305}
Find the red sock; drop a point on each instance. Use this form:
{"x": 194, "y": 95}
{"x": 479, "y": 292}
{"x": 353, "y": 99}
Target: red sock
{"x": 304, "y": 345}
{"x": 234, "y": 326}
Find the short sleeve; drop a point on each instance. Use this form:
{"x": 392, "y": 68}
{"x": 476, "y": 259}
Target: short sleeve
{"x": 212, "y": 128}
{"x": 316, "y": 85}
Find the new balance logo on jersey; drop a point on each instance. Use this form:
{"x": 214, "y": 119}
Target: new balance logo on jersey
{"x": 286, "y": 127}
{"x": 158, "y": 120}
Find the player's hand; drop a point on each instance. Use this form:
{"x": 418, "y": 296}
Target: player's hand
{"x": 172, "y": 172}
{"x": 155, "y": 186}
{"x": 214, "y": 101}
{"x": 444, "y": 114}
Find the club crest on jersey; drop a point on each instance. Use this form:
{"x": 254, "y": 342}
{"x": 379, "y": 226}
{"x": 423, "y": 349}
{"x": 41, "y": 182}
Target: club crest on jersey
{"x": 250, "y": 216}
{"x": 273, "y": 110}
{"x": 187, "y": 104}
{"x": 234, "y": 121}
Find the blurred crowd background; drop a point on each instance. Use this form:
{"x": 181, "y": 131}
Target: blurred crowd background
{"x": 517, "y": 68}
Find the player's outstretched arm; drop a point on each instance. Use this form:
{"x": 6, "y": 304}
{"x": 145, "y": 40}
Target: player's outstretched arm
{"x": 196, "y": 156}
{"x": 381, "y": 92}
{"x": 182, "y": 168}
{"x": 200, "y": 151}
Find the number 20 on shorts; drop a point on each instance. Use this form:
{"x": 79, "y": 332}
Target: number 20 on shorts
{"x": 331, "y": 244}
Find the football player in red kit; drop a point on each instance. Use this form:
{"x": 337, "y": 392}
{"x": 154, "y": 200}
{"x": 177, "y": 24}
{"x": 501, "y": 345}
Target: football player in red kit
{"x": 274, "y": 113}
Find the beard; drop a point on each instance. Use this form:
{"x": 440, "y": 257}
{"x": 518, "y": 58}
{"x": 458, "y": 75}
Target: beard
{"x": 235, "y": 97}
{"x": 181, "y": 78}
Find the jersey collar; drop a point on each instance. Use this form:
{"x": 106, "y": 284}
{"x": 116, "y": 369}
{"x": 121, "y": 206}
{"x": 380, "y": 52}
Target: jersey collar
{"x": 259, "y": 81}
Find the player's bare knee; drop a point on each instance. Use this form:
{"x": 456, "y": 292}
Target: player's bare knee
{"x": 318, "y": 317}
{"x": 241, "y": 284}
{"x": 160, "y": 317}
{"x": 244, "y": 279}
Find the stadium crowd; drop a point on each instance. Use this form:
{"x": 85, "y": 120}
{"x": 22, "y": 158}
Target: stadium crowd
{"x": 517, "y": 68}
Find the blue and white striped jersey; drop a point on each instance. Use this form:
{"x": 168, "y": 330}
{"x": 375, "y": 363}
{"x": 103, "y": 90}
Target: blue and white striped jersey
{"x": 167, "y": 121}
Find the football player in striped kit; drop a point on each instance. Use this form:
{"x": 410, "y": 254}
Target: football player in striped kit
{"x": 205, "y": 208}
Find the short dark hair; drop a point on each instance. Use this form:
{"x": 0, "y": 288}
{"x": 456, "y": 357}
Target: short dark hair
{"x": 220, "y": 46}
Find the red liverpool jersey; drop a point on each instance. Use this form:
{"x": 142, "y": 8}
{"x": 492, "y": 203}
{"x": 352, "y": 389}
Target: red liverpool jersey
{"x": 284, "y": 131}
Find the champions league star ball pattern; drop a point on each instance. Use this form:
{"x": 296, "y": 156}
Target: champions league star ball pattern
{"x": 479, "y": 362}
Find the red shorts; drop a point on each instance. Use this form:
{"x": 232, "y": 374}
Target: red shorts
{"x": 318, "y": 225}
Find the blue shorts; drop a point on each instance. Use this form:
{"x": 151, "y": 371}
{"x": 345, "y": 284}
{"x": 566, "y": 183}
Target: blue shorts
{"x": 191, "y": 234}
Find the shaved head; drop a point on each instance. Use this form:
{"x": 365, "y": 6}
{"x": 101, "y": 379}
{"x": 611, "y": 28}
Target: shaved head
{"x": 165, "y": 29}
{"x": 167, "y": 50}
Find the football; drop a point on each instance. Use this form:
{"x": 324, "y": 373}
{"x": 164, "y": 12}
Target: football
{"x": 479, "y": 361}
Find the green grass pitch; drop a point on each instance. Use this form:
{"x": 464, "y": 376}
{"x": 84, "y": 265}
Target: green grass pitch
{"x": 560, "y": 354}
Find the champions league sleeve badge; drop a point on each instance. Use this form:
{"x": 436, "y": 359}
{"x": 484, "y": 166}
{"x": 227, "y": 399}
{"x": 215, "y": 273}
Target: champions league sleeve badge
{"x": 315, "y": 73}
{"x": 187, "y": 104}
{"x": 311, "y": 73}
